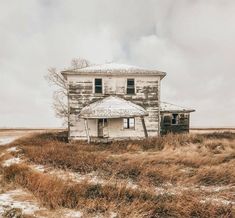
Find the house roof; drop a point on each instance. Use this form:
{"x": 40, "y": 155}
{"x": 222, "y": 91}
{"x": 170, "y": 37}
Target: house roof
{"x": 112, "y": 107}
{"x": 168, "y": 107}
{"x": 114, "y": 68}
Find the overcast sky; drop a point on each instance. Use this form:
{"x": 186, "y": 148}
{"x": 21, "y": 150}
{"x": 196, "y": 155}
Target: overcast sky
{"x": 192, "y": 40}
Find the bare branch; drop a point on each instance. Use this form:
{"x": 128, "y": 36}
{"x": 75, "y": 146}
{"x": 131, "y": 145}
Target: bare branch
{"x": 60, "y": 96}
{"x": 55, "y": 78}
{"x": 78, "y": 63}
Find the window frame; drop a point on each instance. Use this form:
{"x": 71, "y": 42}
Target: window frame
{"x": 132, "y": 86}
{"x": 128, "y": 123}
{"x": 94, "y": 86}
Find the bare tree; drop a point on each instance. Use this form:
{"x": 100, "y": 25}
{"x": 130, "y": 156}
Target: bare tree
{"x": 60, "y": 95}
{"x": 78, "y": 63}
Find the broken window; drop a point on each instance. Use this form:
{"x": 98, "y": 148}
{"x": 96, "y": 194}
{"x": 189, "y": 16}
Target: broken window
{"x": 129, "y": 123}
{"x": 130, "y": 87}
{"x": 167, "y": 120}
{"x": 98, "y": 85}
{"x": 175, "y": 119}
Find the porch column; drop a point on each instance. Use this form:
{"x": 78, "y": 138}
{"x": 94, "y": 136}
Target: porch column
{"x": 87, "y": 131}
{"x": 144, "y": 127}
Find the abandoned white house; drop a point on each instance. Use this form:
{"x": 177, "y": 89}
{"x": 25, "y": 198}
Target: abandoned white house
{"x": 115, "y": 101}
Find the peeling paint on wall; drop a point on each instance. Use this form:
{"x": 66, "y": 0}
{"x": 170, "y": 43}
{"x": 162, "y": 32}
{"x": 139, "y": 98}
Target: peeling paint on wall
{"x": 81, "y": 94}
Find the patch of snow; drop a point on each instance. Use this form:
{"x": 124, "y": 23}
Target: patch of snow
{"x": 160, "y": 190}
{"x": 7, "y": 201}
{"x": 96, "y": 180}
{"x": 164, "y": 106}
{"x": 6, "y": 140}
{"x": 73, "y": 214}
{"x": 39, "y": 167}
{"x": 11, "y": 161}
{"x": 3, "y": 153}
{"x": 218, "y": 201}
{"x": 215, "y": 188}
{"x": 169, "y": 188}
{"x": 13, "y": 149}
{"x": 77, "y": 177}
{"x": 112, "y": 107}
{"x": 113, "y": 215}
{"x": 132, "y": 185}
{"x": 118, "y": 68}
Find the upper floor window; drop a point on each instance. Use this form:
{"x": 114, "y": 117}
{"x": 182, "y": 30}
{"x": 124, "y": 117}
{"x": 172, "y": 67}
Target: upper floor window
{"x": 98, "y": 86}
{"x": 130, "y": 90}
{"x": 129, "y": 123}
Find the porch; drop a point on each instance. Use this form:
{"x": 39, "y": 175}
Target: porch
{"x": 113, "y": 118}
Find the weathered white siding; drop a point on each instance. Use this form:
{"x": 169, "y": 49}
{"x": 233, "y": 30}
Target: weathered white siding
{"x": 81, "y": 93}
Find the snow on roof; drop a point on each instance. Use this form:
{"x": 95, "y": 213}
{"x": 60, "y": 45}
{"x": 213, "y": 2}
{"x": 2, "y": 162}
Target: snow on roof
{"x": 112, "y": 107}
{"x": 168, "y": 107}
{"x": 113, "y": 68}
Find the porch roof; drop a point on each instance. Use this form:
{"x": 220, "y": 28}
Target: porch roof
{"x": 112, "y": 107}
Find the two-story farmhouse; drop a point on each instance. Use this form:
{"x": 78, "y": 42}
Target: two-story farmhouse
{"x": 113, "y": 101}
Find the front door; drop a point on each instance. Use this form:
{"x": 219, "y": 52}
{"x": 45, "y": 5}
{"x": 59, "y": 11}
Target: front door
{"x": 102, "y": 128}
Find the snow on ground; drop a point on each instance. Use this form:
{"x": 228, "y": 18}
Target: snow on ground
{"x": 113, "y": 215}
{"x": 18, "y": 198}
{"x": 2, "y": 154}
{"x": 13, "y": 149}
{"x": 9, "y": 200}
{"x": 77, "y": 177}
{"x": 169, "y": 188}
{"x": 38, "y": 167}
{"x": 73, "y": 214}
{"x": 218, "y": 201}
{"x": 68, "y": 175}
{"x": 11, "y": 161}
{"x": 7, "y": 140}
{"x": 216, "y": 188}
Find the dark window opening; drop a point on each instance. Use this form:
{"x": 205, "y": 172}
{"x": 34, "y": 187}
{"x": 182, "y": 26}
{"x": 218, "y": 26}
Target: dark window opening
{"x": 130, "y": 86}
{"x": 175, "y": 119}
{"x": 129, "y": 123}
{"x": 98, "y": 85}
{"x": 167, "y": 120}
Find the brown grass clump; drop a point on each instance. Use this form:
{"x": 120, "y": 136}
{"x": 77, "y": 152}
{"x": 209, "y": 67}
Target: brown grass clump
{"x": 99, "y": 199}
{"x": 216, "y": 175}
{"x": 220, "y": 135}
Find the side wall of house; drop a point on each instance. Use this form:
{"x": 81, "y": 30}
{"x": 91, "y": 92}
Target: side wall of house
{"x": 81, "y": 93}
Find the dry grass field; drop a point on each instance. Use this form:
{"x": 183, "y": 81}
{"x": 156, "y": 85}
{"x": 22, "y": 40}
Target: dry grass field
{"x": 187, "y": 175}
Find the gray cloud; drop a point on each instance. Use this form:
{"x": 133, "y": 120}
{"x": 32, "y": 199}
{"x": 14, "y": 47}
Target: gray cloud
{"x": 193, "y": 41}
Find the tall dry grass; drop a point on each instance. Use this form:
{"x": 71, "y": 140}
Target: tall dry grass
{"x": 206, "y": 159}
{"x": 183, "y": 160}
{"x": 95, "y": 199}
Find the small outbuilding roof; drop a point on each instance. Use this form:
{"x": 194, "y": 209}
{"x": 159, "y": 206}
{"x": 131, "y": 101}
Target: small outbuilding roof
{"x": 112, "y": 107}
{"x": 114, "y": 68}
{"x": 168, "y": 107}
